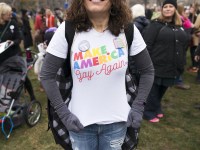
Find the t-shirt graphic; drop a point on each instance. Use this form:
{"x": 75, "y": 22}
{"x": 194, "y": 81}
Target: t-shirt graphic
{"x": 87, "y": 57}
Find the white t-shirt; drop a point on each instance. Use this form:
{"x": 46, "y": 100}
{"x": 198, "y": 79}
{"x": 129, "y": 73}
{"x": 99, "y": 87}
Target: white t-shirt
{"x": 98, "y": 64}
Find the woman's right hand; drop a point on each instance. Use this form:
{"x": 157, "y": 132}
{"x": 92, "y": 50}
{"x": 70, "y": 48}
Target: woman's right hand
{"x": 69, "y": 120}
{"x": 10, "y": 42}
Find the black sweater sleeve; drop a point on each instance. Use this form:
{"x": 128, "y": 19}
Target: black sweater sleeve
{"x": 48, "y": 73}
{"x": 145, "y": 67}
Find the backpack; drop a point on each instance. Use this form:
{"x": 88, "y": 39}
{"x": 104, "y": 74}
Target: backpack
{"x": 64, "y": 81}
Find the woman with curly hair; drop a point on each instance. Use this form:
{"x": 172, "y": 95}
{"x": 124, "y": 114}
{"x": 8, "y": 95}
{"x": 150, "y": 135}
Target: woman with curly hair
{"x": 98, "y": 113}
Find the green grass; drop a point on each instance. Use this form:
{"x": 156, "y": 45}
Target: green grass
{"x": 178, "y": 130}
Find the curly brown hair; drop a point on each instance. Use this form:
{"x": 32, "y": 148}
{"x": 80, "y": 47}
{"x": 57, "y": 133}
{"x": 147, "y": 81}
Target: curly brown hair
{"x": 120, "y": 16}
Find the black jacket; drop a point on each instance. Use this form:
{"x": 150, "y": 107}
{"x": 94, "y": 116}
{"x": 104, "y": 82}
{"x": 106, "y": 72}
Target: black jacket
{"x": 166, "y": 44}
{"x": 12, "y": 33}
{"x": 141, "y": 22}
{"x": 26, "y": 29}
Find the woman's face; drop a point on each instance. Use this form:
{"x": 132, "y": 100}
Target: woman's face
{"x": 191, "y": 10}
{"x": 187, "y": 13}
{"x": 168, "y": 10}
{"x": 7, "y": 16}
{"x": 97, "y": 6}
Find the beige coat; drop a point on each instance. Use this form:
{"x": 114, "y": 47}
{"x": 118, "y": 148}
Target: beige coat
{"x": 195, "y": 38}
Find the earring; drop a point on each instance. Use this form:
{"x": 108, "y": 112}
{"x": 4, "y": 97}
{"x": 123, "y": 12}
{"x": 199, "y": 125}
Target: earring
{"x": 113, "y": 12}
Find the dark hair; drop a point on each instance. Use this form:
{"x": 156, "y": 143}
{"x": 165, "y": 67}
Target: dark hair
{"x": 120, "y": 16}
{"x": 42, "y": 11}
{"x": 14, "y": 9}
{"x": 23, "y": 11}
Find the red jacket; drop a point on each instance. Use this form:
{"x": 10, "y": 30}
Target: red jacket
{"x": 39, "y": 23}
{"x": 50, "y": 21}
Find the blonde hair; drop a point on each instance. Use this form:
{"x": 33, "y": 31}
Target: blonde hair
{"x": 137, "y": 10}
{"x": 176, "y": 19}
{"x": 49, "y": 12}
{"x": 4, "y": 9}
{"x": 180, "y": 8}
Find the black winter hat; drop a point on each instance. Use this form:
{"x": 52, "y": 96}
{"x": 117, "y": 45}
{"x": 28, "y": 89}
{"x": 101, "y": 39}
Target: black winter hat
{"x": 173, "y": 2}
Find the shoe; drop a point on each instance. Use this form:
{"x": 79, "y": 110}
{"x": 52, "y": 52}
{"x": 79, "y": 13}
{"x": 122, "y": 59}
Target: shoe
{"x": 197, "y": 106}
{"x": 182, "y": 86}
{"x": 160, "y": 115}
{"x": 154, "y": 120}
{"x": 193, "y": 69}
{"x": 197, "y": 81}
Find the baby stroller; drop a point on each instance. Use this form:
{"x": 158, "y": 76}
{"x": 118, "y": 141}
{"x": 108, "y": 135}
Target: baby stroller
{"x": 15, "y": 108}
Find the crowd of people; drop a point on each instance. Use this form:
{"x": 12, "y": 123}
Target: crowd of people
{"x": 100, "y": 60}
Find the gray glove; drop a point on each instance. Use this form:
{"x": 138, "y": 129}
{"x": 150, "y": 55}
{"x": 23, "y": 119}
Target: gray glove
{"x": 69, "y": 120}
{"x": 134, "y": 118}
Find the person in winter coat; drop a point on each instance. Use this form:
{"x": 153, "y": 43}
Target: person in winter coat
{"x": 166, "y": 42}
{"x": 195, "y": 19}
{"x": 197, "y": 59}
{"x": 11, "y": 34}
{"x": 40, "y": 26}
{"x": 188, "y": 28}
{"x": 9, "y": 31}
{"x": 27, "y": 36}
{"x": 50, "y": 19}
{"x": 139, "y": 18}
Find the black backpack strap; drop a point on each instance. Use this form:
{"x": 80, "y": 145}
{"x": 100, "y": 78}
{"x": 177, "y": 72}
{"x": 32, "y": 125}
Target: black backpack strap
{"x": 129, "y": 34}
{"x": 69, "y": 35}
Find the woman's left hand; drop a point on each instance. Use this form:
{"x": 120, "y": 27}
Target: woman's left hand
{"x": 134, "y": 118}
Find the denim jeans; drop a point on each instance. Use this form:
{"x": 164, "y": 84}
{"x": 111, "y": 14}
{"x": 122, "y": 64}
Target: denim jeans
{"x": 99, "y": 137}
{"x": 178, "y": 80}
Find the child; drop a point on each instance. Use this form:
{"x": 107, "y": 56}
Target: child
{"x": 42, "y": 51}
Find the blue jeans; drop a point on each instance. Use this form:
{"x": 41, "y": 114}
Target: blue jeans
{"x": 99, "y": 137}
{"x": 178, "y": 80}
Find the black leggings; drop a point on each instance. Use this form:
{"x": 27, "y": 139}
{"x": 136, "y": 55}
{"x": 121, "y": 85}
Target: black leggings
{"x": 153, "y": 105}
{"x": 192, "y": 54}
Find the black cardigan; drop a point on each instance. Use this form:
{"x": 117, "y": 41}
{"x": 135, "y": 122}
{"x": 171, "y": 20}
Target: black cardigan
{"x": 12, "y": 33}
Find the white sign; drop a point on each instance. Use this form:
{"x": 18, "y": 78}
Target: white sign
{"x": 4, "y": 46}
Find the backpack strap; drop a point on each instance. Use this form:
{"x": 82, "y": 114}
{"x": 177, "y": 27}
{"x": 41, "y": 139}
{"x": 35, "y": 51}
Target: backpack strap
{"x": 129, "y": 34}
{"x": 69, "y": 35}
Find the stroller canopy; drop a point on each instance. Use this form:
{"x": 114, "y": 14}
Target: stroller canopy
{"x": 15, "y": 63}
{"x": 13, "y": 72}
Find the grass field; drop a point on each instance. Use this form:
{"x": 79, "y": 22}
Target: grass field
{"x": 178, "y": 130}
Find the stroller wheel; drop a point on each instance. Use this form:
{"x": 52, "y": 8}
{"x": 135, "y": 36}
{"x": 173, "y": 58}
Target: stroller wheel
{"x": 33, "y": 113}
